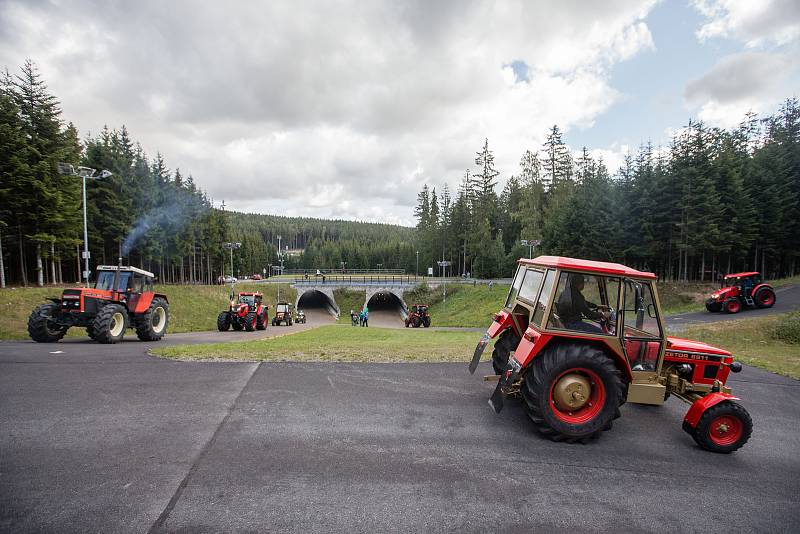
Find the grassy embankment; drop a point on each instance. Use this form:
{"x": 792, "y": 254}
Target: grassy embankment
{"x": 192, "y": 308}
{"x": 337, "y": 343}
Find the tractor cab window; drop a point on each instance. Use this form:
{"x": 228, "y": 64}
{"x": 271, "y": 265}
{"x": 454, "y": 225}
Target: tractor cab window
{"x": 642, "y": 331}
{"x": 247, "y": 299}
{"x": 282, "y": 308}
{"x": 585, "y": 303}
{"x": 544, "y": 297}
{"x": 105, "y": 280}
{"x": 515, "y": 285}
{"x": 137, "y": 283}
{"x": 530, "y": 284}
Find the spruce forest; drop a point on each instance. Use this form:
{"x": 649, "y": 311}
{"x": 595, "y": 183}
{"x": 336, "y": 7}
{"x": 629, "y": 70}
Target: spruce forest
{"x": 713, "y": 201}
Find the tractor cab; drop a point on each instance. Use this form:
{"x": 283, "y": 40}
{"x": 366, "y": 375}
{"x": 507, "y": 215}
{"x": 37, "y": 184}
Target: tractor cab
{"x": 578, "y": 338}
{"x": 251, "y": 299}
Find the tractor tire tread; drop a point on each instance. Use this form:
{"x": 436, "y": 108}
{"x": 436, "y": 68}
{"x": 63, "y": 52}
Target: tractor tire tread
{"x": 700, "y": 435}
{"x": 38, "y": 329}
{"x": 102, "y": 324}
{"x": 144, "y": 322}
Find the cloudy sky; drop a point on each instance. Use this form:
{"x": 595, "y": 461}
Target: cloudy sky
{"x": 344, "y": 109}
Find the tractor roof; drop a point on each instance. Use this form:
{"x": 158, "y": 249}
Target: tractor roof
{"x": 741, "y": 275}
{"x": 600, "y": 267}
{"x": 125, "y": 268}
{"x": 250, "y": 293}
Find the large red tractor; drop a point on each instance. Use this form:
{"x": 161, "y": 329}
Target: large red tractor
{"x": 578, "y": 338}
{"x": 246, "y": 311}
{"x": 741, "y": 290}
{"x": 122, "y": 298}
{"x": 418, "y": 316}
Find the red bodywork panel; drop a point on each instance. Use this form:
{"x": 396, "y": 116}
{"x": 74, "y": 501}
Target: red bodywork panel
{"x": 601, "y": 267}
{"x": 709, "y": 363}
{"x": 502, "y": 320}
{"x": 740, "y": 275}
{"x": 700, "y": 406}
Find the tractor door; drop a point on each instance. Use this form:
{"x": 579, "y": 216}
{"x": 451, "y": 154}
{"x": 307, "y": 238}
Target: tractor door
{"x": 642, "y": 335}
{"x": 135, "y": 290}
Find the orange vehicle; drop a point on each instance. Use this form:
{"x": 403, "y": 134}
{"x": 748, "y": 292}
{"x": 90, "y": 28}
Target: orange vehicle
{"x": 121, "y": 298}
{"x": 578, "y": 338}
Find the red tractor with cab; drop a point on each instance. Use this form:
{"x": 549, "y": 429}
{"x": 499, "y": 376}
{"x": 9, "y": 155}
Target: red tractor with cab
{"x": 245, "y": 312}
{"x": 741, "y": 290}
{"x": 578, "y": 338}
{"x": 121, "y": 298}
{"x": 418, "y": 316}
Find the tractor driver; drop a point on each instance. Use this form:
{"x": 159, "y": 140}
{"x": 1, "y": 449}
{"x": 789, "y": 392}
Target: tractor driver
{"x": 572, "y": 307}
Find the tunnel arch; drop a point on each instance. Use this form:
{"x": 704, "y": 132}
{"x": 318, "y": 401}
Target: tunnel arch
{"x": 317, "y": 298}
{"x": 387, "y": 301}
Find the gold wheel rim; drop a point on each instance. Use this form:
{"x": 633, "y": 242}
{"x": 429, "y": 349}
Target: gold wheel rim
{"x": 572, "y": 392}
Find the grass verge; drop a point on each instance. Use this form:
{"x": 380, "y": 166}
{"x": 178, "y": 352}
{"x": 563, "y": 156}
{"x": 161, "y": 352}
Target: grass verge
{"x": 336, "y": 343}
{"x": 751, "y": 341}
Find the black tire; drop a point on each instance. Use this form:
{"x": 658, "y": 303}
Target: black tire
{"x": 274, "y": 323}
{"x": 764, "y": 298}
{"x": 90, "y": 333}
{"x": 110, "y": 323}
{"x": 415, "y": 322}
{"x": 152, "y": 324}
{"x": 587, "y": 421}
{"x": 223, "y": 321}
{"x": 707, "y": 434}
{"x": 289, "y": 322}
{"x": 502, "y": 350}
{"x": 714, "y": 307}
{"x": 236, "y": 325}
{"x": 261, "y": 321}
{"x": 250, "y": 321}
{"x": 426, "y": 322}
{"x": 41, "y": 327}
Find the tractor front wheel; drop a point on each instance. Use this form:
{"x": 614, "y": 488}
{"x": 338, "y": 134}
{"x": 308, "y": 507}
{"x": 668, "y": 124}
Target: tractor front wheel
{"x": 723, "y": 428}
{"x": 110, "y": 323}
{"x": 732, "y": 306}
{"x": 764, "y": 298}
{"x": 152, "y": 324}
{"x": 502, "y": 350}
{"x": 426, "y": 322}
{"x": 223, "y": 321}
{"x": 573, "y": 392}
{"x": 261, "y": 321}
{"x": 41, "y": 327}
{"x": 250, "y": 321}
{"x": 714, "y": 306}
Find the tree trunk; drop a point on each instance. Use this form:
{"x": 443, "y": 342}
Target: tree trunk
{"x": 22, "y": 260}
{"x": 53, "y": 278}
{"x": 2, "y": 265}
{"x": 703, "y": 267}
{"x": 60, "y": 273}
{"x": 39, "y": 269}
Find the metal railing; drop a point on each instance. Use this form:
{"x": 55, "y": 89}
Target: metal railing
{"x": 363, "y": 280}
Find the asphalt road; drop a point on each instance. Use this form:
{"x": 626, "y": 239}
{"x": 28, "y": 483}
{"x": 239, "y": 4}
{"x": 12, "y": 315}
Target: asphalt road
{"x": 105, "y": 438}
{"x": 786, "y": 300}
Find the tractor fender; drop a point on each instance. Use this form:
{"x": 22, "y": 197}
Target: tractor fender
{"x": 700, "y": 406}
{"x": 143, "y": 303}
{"x": 161, "y": 296}
{"x": 759, "y": 286}
{"x": 501, "y": 321}
{"x": 533, "y": 342}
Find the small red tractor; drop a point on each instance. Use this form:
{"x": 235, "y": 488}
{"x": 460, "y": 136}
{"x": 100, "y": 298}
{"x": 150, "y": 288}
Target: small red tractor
{"x": 121, "y": 298}
{"x": 574, "y": 363}
{"x": 418, "y": 316}
{"x": 283, "y": 314}
{"x": 246, "y": 311}
{"x": 741, "y": 290}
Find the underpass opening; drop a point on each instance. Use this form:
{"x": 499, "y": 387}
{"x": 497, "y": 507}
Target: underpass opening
{"x": 318, "y": 307}
{"x": 385, "y": 309}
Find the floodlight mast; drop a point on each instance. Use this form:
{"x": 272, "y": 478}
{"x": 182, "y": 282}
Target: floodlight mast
{"x": 231, "y": 247}
{"x": 84, "y": 172}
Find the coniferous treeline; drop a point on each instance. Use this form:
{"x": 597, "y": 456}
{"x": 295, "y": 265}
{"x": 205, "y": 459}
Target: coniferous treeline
{"x": 716, "y": 201}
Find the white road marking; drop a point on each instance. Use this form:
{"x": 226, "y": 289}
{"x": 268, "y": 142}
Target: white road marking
{"x": 57, "y": 352}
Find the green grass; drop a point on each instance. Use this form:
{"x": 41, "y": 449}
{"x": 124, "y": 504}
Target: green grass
{"x": 348, "y": 299}
{"x": 192, "y": 308}
{"x": 338, "y": 343}
{"x": 752, "y": 341}
{"x": 467, "y": 306}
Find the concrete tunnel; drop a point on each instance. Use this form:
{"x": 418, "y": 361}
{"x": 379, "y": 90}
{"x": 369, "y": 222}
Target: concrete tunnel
{"x": 318, "y": 306}
{"x": 386, "y": 309}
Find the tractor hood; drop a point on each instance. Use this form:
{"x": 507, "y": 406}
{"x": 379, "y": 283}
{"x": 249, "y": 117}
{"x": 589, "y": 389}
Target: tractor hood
{"x": 722, "y": 294}
{"x": 687, "y": 345}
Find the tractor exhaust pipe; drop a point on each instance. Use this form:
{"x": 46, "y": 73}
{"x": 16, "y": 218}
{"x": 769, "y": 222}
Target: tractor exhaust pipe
{"x": 116, "y": 276}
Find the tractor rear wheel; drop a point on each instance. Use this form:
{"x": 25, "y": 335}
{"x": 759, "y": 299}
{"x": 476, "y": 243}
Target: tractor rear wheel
{"x": 41, "y": 327}
{"x": 502, "y": 350}
{"x": 261, "y": 320}
{"x": 573, "y": 392}
{"x": 732, "y": 306}
{"x": 152, "y": 324}
{"x": 250, "y": 321}
{"x": 90, "y": 333}
{"x": 723, "y": 428}
{"x": 110, "y": 323}
{"x": 415, "y": 322}
{"x": 223, "y": 321}
{"x": 426, "y": 322}
{"x": 764, "y": 298}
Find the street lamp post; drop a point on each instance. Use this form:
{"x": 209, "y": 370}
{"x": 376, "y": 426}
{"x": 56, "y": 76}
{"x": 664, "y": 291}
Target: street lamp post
{"x": 83, "y": 172}
{"x": 531, "y": 244}
{"x": 231, "y": 247}
{"x": 416, "y": 273}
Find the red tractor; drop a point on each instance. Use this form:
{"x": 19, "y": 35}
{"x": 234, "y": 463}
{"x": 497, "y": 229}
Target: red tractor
{"x": 575, "y": 362}
{"x": 418, "y": 316}
{"x": 741, "y": 290}
{"x": 247, "y": 311}
{"x": 122, "y": 297}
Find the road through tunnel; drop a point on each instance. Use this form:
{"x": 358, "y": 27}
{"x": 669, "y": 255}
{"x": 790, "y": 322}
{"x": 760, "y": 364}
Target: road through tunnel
{"x": 385, "y": 309}
{"x": 318, "y": 306}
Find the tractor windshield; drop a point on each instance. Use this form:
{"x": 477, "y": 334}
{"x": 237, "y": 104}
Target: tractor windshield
{"x": 282, "y": 308}
{"x": 515, "y": 285}
{"x": 105, "y": 280}
{"x": 247, "y": 299}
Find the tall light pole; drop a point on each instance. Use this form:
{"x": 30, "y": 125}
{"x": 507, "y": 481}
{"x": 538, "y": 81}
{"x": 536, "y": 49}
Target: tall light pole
{"x": 416, "y": 273}
{"x": 83, "y": 172}
{"x": 531, "y": 244}
{"x": 231, "y": 247}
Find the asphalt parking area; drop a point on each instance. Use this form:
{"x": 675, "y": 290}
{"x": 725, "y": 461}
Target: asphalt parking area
{"x": 107, "y": 439}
